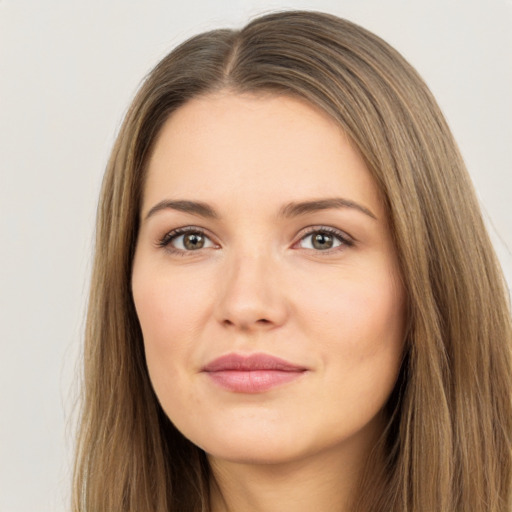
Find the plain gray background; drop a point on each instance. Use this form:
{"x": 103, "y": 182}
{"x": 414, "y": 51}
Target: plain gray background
{"x": 68, "y": 70}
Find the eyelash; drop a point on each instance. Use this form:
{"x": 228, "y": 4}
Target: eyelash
{"x": 165, "y": 241}
{"x": 344, "y": 239}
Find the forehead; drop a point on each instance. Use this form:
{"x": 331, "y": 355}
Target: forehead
{"x": 224, "y": 147}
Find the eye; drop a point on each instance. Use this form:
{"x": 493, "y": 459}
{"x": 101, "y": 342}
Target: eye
{"x": 324, "y": 239}
{"x": 186, "y": 240}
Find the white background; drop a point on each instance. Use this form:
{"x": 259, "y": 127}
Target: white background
{"x": 68, "y": 70}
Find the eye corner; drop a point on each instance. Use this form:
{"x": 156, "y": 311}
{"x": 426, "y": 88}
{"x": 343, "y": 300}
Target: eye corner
{"x": 329, "y": 240}
{"x": 171, "y": 242}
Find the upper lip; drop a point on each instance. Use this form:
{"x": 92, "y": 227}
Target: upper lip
{"x": 252, "y": 362}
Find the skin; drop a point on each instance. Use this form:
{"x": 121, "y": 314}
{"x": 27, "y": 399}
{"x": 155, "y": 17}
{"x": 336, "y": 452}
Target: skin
{"x": 259, "y": 285}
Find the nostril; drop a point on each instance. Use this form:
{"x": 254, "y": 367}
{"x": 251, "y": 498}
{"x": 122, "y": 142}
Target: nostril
{"x": 246, "y": 324}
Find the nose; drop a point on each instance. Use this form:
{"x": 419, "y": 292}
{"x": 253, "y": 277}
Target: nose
{"x": 251, "y": 296}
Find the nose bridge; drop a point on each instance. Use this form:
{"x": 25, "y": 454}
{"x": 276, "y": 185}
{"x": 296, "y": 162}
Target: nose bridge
{"x": 250, "y": 295}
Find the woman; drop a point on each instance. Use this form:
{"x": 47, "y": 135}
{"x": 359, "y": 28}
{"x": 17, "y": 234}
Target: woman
{"x": 294, "y": 303}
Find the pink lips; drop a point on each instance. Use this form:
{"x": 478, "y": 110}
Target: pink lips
{"x": 251, "y": 374}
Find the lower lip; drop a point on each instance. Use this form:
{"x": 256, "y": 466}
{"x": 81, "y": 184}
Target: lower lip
{"x": 253, "y": 381}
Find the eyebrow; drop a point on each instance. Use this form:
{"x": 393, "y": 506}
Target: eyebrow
{"x": 302, "y": 208}
{"x": 293, "y": 209}
{"x": 193, "y": 207}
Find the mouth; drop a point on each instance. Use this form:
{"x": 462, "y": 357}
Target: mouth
{"x": 255, "y": 373}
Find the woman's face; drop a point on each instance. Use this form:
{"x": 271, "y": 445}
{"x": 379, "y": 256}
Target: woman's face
{"x": 266, "y": 282}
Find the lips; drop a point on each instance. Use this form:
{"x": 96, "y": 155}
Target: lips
{"x": 256, "y": 373}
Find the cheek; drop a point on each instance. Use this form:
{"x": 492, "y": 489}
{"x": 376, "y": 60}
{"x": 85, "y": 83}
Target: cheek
{"x": 358, "y": 325}
{"x": 356, "y": 311}
{"x": 360, "y": 338}
{"x": 165, "y": 351}
{"x": 171, "y": 312}
{"x": 169, "y": 308}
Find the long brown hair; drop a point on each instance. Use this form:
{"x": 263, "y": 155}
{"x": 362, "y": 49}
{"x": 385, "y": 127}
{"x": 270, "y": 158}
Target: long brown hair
{"x": 447, "y": 446}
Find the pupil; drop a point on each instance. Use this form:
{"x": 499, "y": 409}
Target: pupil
{"x": 193, "y": 241}
{"x": 322, "y": 241}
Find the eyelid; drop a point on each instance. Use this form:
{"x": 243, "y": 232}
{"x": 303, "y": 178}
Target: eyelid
{"x": 345, "y": 238}
{"x": 165, "y": 241}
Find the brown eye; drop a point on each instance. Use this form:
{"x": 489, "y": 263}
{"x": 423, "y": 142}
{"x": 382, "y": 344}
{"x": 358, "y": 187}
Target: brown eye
{"x": 186, "y": 240}
{"x": 324, "y": 239}
{"x": 193, "y": 241}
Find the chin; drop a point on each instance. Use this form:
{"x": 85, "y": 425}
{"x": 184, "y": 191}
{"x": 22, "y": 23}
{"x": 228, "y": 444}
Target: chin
{"x": 283, "y": 442}
{"x": 263, "y": 445}
{"x": 253, "y": 452}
